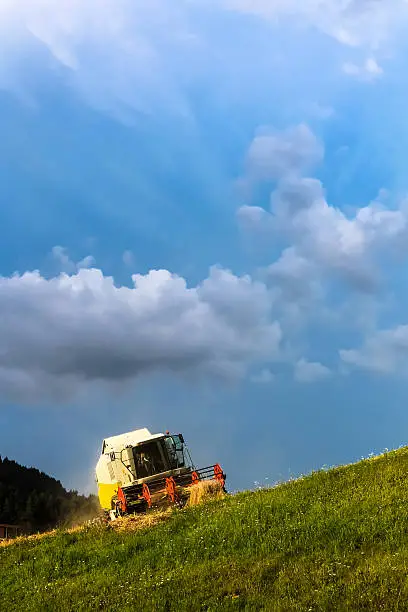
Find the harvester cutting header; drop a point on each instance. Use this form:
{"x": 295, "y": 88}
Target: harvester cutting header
{"x": 138, "y": 470}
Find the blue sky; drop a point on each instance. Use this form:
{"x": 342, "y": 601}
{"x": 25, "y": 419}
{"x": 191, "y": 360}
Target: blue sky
{"x": 203, "y": 215}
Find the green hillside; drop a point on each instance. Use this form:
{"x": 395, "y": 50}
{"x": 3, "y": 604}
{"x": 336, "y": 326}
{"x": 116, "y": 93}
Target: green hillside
{"x": 334, "y": 540}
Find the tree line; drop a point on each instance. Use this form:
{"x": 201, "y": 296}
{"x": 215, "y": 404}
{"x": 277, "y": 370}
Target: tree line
{"x": 37, "y": 502}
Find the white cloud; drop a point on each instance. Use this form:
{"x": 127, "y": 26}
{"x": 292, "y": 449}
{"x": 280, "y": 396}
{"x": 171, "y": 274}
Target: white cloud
{"x": 296, "y": 276}
{"x": 264, "y": 377}
{"x": 86, "y": 262}
{"x": 65, "y": 264}
{"x": 114, "y": 52}
{"x": 60, "y": 333}
{"x": 368, "y": 71}
{"x": 335, "y": 242}
{"x": 61, "y": 256}
{"x": 254, "y": 219}
{"x": 384, "y": 351}
{"x": 309, "y": 371}
{"x": 138, "y": 57}
{"x": 128, "y": 258}
{"x": 274, "y": 154}
{"x": 322, "y": 238}
{"x": 324, "y": 250}
{"x": 321, "y": 111}
{"x": 351, "y": 22}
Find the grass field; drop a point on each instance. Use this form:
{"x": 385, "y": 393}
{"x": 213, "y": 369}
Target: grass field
{"x": 334, "y": 540}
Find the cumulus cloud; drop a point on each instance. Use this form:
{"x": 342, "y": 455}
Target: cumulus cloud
{"x": 255, "y": 219}
{"x": 273, "y": 154}
{"x": 66, "y": 264}
{"x": 322, "y": 238}
{"x": 348, "y": 246}
{"x": 368, "y": 71}
{"x": 279, "y": 156}
{"x": 296, "y": 277}
{"x": 317, "y": 251}
{"x": 384, "y": 351}
{"x": 309, "y": 371}
{"x": 59, "y": 333}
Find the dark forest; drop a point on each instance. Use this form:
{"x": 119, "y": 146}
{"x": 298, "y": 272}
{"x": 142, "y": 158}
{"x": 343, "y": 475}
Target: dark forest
{"x": 38, "y": 502}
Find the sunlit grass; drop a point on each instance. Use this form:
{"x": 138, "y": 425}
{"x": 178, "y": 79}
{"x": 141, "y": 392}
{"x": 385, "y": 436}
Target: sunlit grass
{"x": 333, "y": 540}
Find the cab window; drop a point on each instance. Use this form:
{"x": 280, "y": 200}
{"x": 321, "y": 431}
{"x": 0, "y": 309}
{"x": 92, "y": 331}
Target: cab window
{"x": 175, "y": 451}
{"x": 148, "y": 460}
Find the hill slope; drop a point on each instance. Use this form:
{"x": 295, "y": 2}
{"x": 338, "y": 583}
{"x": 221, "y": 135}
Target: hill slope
{"x": 334, "y": 540}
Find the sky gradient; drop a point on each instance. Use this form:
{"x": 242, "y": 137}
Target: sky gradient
{"x": 204, "y": 228}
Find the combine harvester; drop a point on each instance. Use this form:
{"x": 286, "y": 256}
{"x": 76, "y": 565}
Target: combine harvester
{"x": 137, "y": 471}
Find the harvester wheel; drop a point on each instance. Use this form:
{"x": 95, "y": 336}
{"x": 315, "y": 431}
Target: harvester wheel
{"x": 115, "y": 511}
{"x": 195, "y": 478}
{"x": 147, "y": 495}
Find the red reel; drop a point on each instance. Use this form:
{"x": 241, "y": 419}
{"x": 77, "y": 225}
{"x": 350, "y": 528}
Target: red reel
{"x": 122, "y": 500}
{"x": 147, "y": 495}
{"x": 195, "y": 478}
{"x": 219, "y": 474}
{"x": 171, "y": 489}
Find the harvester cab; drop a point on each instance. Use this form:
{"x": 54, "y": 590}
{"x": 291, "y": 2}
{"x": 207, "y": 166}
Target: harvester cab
{"x": 138, "y": 470}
